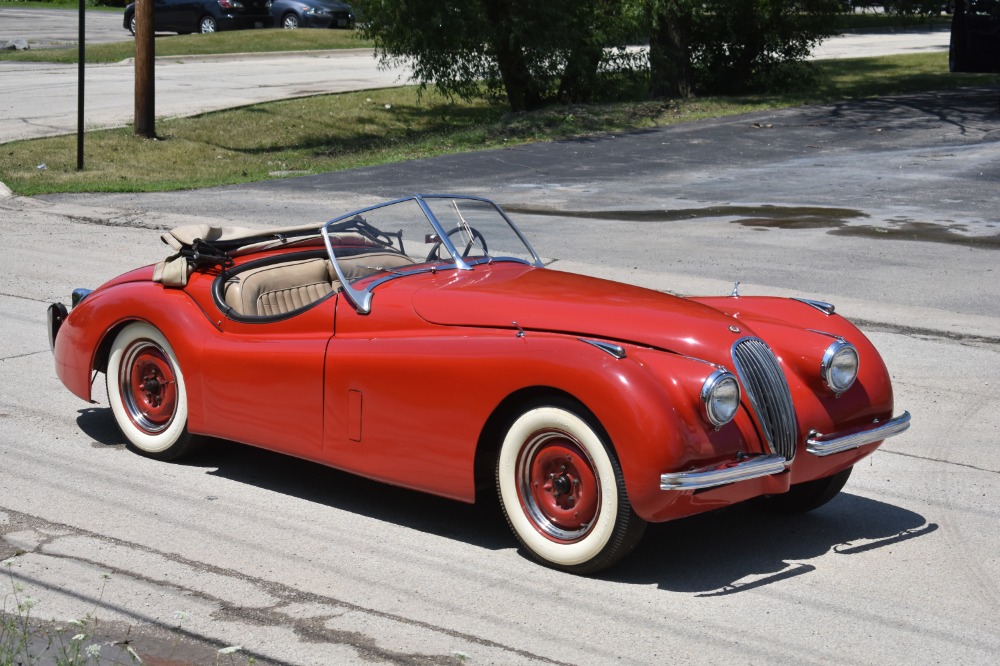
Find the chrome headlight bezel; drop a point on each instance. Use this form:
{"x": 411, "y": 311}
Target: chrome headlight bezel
{"x": 837, "y": 359}
{"x": 720, "y": 385}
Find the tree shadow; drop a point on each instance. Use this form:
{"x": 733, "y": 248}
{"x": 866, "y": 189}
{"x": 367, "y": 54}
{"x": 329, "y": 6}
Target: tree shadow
{"x": 713, "y": 554}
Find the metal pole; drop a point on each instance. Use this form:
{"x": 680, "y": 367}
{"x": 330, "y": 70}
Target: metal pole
{"x": 79, "y": 86}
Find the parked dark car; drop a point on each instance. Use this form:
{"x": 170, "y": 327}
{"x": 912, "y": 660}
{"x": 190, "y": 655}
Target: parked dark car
{"x": 975, "y": 36}
{"x": 187, "y": 16}
{"x": 292, "y": 14}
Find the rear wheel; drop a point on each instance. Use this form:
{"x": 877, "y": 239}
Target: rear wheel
{"x": 206, "y": 25}
{"x": 563, "y": 492}
{"x": 147, "y": 394}
{"x": 131, "y": 25}
{"x": 803, "y": 497}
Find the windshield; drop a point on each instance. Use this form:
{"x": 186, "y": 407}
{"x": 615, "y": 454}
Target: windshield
{"x": 419, "y": 234}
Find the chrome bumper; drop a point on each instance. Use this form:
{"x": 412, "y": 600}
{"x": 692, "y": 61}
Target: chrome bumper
{"x": 766, "y": 465}
{"x": 825, "y": 445}
{"x": 751, "y": 468}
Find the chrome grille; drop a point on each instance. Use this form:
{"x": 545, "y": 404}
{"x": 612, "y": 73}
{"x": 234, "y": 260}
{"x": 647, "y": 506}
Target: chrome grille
{"x": 767, "y": 389}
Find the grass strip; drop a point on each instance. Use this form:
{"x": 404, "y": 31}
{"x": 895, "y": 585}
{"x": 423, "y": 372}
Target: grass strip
{"x": 343, "y": 131}
{"x": 226, "y": 42}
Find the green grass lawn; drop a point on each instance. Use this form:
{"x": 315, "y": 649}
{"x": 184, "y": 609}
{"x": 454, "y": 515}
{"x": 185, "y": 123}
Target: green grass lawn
{"x": 335, "y": 132}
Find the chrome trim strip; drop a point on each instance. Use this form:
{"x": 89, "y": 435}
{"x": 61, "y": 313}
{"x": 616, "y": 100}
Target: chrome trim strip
{"x": 825, "y": 445}
{"x": 824, "y": 307}
{"x": 752, "y": 468}
{"x": 615, "y": 350}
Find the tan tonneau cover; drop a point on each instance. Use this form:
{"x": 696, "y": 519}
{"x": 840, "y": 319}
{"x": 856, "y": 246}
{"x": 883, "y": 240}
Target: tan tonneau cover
{"x": 175, "y": 269}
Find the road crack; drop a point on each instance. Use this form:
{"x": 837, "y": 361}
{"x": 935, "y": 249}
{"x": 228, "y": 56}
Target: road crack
{"x": 314, "y": 630}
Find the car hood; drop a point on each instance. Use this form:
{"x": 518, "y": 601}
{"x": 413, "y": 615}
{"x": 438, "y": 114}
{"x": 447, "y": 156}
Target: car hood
{"x": 540, "y": 299}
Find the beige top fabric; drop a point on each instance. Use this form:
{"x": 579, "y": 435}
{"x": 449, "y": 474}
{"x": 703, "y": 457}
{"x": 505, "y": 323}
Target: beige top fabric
{"x": 188, "y": 234}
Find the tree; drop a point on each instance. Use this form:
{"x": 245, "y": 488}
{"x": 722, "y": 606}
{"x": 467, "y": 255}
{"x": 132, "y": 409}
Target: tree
{"x": 534, "y": 52}
{"x": 671, "y": 72}
{"x": 538, "y": 52}
{"x": 731, "y": 46}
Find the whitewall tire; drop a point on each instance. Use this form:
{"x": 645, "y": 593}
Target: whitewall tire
{"x": 562, "y": 490}
{"x": 146, "y": 392}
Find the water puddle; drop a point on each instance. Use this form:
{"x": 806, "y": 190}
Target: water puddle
{"x": 835, "y": 220}
{"x": 769, "y": 213}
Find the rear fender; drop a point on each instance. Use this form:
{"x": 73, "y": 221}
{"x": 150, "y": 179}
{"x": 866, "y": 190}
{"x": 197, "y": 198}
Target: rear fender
{"x": 84, "y": 340}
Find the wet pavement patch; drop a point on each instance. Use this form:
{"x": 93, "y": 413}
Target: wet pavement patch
{"x": 764, "y": 213}
{"x": 927, "y": 232}
{"x": 838, "y": 222}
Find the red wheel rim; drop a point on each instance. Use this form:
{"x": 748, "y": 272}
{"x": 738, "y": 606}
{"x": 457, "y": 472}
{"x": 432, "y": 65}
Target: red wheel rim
{"x": 558, "y": 486}
{"x": 148, "y": 385}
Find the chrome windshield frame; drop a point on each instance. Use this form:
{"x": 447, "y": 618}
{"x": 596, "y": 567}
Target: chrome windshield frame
{"x": 361, "y": 298}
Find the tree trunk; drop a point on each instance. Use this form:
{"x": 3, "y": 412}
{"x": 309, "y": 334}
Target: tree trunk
{"x": 522, "y": 89}
{"x": 580, "y": 74}
{"x": 670, "y": 71}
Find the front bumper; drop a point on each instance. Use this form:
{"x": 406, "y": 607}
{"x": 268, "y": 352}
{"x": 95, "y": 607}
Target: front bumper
{"x": 766, "y": 465}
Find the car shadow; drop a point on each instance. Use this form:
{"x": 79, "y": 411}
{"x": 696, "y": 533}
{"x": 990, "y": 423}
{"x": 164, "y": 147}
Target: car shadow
{"x": 712, "y": 554}
{"x": 480, "y": 524}
{"x": 745, "y": 547}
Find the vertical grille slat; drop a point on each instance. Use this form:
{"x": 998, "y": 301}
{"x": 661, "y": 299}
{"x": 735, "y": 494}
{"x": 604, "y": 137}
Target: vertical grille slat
{"x": 769, "y": 394}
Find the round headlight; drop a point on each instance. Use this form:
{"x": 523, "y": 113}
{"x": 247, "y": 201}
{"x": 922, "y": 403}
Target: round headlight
{"x": 721, "y": 396}
{"x": 840, "y": 366}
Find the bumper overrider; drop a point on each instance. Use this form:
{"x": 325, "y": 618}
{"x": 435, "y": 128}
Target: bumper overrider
{"x": 765, "y": 465}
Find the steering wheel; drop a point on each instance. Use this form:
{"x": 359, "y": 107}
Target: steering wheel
{"x": 477, "y": 238}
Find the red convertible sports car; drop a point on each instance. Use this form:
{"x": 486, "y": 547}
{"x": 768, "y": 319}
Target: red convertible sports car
{"x": 423, "y": 343}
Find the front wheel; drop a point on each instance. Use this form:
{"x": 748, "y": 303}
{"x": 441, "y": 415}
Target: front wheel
{"x": 290, "y": 22}
{"x": 563, "y": 492}
{"x": 803, "y": 497}
{"x": 147, "y": 394}
{"x": 131, "y": 25}
{"x": 206, "y": 25}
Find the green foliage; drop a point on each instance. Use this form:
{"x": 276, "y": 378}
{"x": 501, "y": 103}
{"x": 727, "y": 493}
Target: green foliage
{"x": 532, "y": 52}
{"x": 573, "y": 50}
{"x": 752, "y": 45}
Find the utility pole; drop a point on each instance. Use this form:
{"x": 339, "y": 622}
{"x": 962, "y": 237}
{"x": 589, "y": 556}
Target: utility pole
{"x": 145, "y": 58}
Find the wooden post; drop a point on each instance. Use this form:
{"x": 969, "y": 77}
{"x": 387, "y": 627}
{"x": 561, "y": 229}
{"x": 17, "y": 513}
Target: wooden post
{"x": 145, "y": 59}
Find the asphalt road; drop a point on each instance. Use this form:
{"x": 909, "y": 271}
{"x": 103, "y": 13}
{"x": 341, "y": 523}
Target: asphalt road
{"x": 886, "y": 208}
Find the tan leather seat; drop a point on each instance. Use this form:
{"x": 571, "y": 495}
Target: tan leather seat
{"x": 280, "y": 288}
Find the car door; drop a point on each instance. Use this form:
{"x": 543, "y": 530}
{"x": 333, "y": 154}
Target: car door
{"x": 263, "y": 380}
